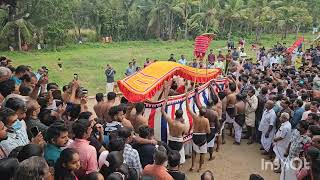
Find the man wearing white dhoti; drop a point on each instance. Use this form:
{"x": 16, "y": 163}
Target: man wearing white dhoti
{"x": 231, "y": 101}
{"x": 298, "y": 140}
{"x": 267, "y": 126}
{"x": 282, "y": 139}
{"x": 251, "y": 107}
{"x": 239, "y": 119}
{"x": 177, "y": 129}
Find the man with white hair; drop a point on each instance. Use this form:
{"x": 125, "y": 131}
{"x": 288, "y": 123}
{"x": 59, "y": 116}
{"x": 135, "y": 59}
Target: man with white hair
{"x": 267, "y": 126}
{"x": 5, "y": 74}
{"x": 39, "y": 73}
{"x": 282, "y": 139}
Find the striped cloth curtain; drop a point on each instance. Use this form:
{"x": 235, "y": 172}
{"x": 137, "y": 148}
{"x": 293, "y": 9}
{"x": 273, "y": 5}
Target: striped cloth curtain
{"x": 158, "y": 123}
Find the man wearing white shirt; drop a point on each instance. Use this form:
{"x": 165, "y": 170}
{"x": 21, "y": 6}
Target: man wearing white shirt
{"x": 219, "y": 64}
{"x": 251, "y": 107}
{"x": 267, "y": 126}
{"x": 274, "y": 60}
{"x": 282, "y": 139}
{"x": 243, "y": 55}
{"x": 183, "y": 60}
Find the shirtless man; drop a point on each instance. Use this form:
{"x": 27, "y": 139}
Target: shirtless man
{"x": 240, "y": 117}
{"x": 111, "y": 96}
{"x": 218, "y": 107}
{"x": 98, "y": 107}
{"x": 137, "y": 119}
{"x": 177, "y": 128}
{"x": 231, "y": 101}
{"x": 201, "y": 127}
{"x": 223, "y": 98}
{"x": 212, "y": 116}
{"x": 125, "y": 122}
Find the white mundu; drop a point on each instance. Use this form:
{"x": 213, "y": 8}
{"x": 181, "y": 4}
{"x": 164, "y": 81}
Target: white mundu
{"x": 268, "y": 118}
{"x": 280, "y": 147}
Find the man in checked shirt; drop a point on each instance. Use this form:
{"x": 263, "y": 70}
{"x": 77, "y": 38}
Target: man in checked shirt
{"x": 130, "y": 155}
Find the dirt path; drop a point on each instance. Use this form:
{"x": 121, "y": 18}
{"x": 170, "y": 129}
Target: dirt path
{"x": 232, "y": 162}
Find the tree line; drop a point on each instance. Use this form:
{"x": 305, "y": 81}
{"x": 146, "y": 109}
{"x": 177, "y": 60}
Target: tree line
{"x": 50, "y": 22}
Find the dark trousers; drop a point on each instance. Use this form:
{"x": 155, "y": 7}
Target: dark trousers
{"x": 257, "y": 133}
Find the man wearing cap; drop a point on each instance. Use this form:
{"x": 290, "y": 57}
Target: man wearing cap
{"x": 282, "y": 139}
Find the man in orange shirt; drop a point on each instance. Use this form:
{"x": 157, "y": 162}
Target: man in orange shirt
{"x": 158, "y": 169}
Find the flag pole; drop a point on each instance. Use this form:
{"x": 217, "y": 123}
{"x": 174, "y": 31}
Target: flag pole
{"x": 206, "y": 69}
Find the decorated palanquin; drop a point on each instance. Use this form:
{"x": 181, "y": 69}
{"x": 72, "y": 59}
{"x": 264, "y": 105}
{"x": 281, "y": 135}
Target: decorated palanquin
{"x": 143, "y": 85}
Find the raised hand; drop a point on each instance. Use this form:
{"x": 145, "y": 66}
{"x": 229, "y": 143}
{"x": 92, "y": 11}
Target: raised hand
{"x": 38, "y": 139}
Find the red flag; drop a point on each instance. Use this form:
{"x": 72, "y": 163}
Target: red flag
{"x": 295, "y": 45}
{"x": 201, "y": 45}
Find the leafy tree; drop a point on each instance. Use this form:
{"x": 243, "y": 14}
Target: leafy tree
{"x": 56, "y": 22}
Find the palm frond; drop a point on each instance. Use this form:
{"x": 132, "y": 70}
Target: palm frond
{"x": 7, "y": 29}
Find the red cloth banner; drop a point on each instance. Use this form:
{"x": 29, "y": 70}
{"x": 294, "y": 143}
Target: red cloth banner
{"x": 295, "y": 45}
{"x": 201, "y": 45}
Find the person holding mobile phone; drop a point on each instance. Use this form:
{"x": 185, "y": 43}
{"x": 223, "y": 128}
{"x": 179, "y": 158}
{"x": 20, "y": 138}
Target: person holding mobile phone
{"x": 110, "y": 73}
{"x": 15, "y": 136}
{"x": 32, "y": 120}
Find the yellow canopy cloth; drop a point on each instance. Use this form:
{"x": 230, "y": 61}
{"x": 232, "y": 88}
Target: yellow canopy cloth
{"x": 144, "y": 84}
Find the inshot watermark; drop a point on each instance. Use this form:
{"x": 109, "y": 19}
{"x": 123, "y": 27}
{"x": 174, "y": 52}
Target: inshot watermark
{"x": 293, "y": 164}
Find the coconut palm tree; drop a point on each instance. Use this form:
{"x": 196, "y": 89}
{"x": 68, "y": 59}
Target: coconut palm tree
{"x": 232, "y": 12}
{"x": 206, "y": 20}
{"x": 16, "y": 24}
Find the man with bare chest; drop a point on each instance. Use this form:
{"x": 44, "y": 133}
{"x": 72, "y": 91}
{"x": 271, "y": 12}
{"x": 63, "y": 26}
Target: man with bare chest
{"x": 177, "y": 128}
{"x": 98, "y": 108}
{"x": 223, "y": 99}
{"x": 212, "y": 116}
{"x": 230, "y": 108}
{"x": 240, "y": 117}
{"x": 201, "y": 127}
{"x": 107, "y": 105}
{"x": 137, "y": 119}
{"x": 218, "y": 107}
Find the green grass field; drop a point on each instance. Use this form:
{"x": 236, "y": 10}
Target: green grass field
{"x": 89, "y": 60}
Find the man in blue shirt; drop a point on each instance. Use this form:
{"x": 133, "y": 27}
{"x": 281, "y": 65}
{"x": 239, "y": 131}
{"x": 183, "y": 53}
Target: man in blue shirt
{"x": 39, "y": 73}
{"x": 129, "y": 70}
{"x": 16, "y": 132}
{"x": 110, "y": 73}
{"x": 235, "y": 54}
{"x": 297, "y": 114}
{"x": 248, "y": 65}
{"x": 19, "y": 73}
{"x": 183, "y": 60}
{"x": 56, "y": 137}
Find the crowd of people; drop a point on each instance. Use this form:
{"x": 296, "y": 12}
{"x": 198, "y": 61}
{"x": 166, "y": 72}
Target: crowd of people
{"x": 48, "y": 132}
{"x": 273, "y": 101}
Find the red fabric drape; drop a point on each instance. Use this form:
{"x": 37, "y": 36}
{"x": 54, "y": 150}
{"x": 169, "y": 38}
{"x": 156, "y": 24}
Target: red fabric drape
{"x": 295, "y": 45}
{"x": 201, "y": 45}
